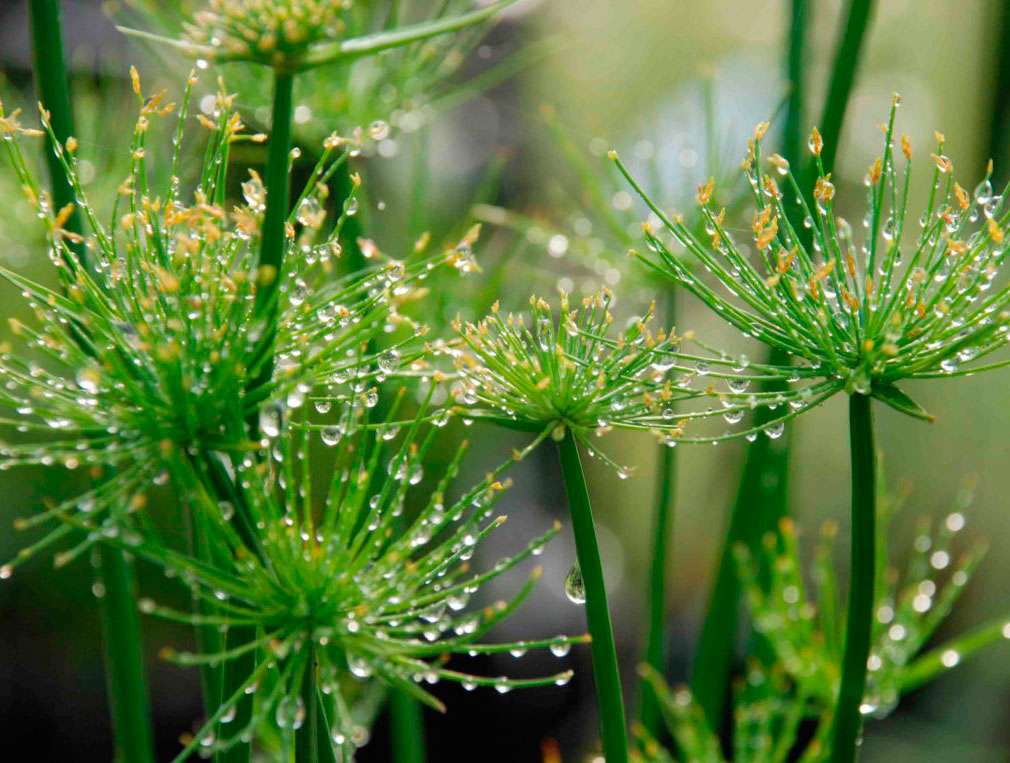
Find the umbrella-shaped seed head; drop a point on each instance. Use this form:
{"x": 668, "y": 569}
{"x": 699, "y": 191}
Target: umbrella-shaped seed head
{"x": 377, "y": 578}
{"x": 896, "y": 296}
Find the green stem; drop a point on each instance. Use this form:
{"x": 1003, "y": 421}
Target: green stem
{"x": 655, "y": 649}
{"x": 859, "y": 623}
{"x": 208, "y": 638}
{"x": 306, "y": 746}
{"x": 235, "y": 673}
{"x": 999, "y": 118}
{"x": 53, "y": 93}
{"x": 271, "y": 260}
{"x": 277, "y": 181}
{"x": 407, "y": 721}
{"x": 847, "y": 55}
{"x": 762, "y": 493}
{"x": 760, "y": 503}
{"x": 124, "y": 660}
{"x": 605, "y": 671}
{"x": 761, "y": 497}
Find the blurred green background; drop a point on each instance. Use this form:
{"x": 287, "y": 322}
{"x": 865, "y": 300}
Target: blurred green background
{"x": 622, "y": 71}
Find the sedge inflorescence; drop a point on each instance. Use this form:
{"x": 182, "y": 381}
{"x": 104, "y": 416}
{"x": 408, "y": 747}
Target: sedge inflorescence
{"x": 252, "y": 29}
{"x": 153, "y": 351}
{"x": 568, "y": 372}
{"x": 572, "y": 372}
{"x": 797, "y": 609}
{"x": 358, "y": 570}
{"x": 862, "y": 312}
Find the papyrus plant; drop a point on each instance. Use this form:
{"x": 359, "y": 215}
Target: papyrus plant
{"x": 573, "y": 377}
{"x": 350, "y": 581}
{"x": 857, "y": 314}
{"x": 785, "y": 702}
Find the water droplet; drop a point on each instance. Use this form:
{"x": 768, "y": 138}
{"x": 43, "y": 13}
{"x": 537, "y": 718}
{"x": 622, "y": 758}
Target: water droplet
{"x": 560, "y": 646}
{"x": 330, "y": 435}
{"x": 388, "y": 360}
{"x": 575, "y": 587}
{"x": 270, "y": 420}
{"x": 775, "y": 430}
{"x": 290, "y": 712}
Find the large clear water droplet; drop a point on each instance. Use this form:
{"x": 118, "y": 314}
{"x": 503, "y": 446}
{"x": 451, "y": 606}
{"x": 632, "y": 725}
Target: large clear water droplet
{"x": 575, "y": 586}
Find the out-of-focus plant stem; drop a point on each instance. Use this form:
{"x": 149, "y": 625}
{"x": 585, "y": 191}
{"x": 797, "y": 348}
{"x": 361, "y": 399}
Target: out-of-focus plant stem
{"x": 124, "y": 659}
{"x": 306, "y": 737}
{"x": 662, "y": 528}
{"x": 53, "y": 93}
{"x": 999, "y": 125}
{"x": 407, "y": 722}
{"x": 276, "y": 181}
{"x": 609, "y": 701}
{"x": 843, "y": 74}
{"x": 858, "y": 626}
{"x": 761, "y": 496}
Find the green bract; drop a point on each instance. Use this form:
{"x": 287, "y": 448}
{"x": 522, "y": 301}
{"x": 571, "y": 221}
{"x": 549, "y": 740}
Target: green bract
{"x": 861, "y": 313}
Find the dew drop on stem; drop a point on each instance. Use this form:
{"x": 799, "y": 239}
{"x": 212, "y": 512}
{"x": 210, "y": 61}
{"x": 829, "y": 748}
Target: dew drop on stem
{"x": 575, "y": 587}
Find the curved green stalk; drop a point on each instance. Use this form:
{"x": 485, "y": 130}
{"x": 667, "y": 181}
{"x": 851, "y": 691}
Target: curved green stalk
{"x": 859, "y": 623}
{"x": 124, "y": 659}
{"x": 655, "y": 650}
{"x": 857, "y": 19}
{"x": 407, "y": 722}
{"x": 609, "y": 701}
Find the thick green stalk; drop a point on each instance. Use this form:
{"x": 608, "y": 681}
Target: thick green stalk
{"x": 54, "y": 94}
{"x": 406, "y": 719}
{"x": 999, "y": 115}
{"x": 124, "y": 660}
{"x": 655, "y": 650}
{"x": 857, "y": 19}
{"x": 235, "y": 673}
{"x": 609, "y": 701}
{"x": 859, "y": 623}
{"x": 306, "y": 736}
{"x": 277, "y": 181}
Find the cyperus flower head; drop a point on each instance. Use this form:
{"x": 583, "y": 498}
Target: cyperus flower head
{"x": 153, "y": 345}
{"x": 862, "y": 312}
{"x": 357, "y": 578}
{"x": 569, "y": 372}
